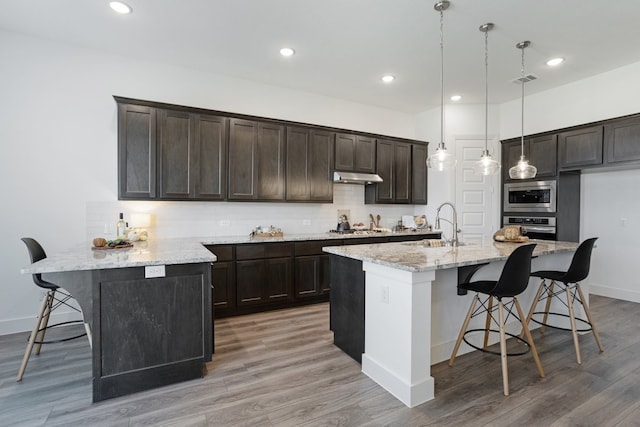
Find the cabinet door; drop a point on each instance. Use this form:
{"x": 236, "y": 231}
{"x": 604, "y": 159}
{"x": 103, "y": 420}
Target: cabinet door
{"x": 307, "y": 282}
{"x": 419, "y": 174}
{"x": 243, "y": 143}
{"x": 543, "y": 155}
{"x": 402, "y": 172}
{"x": 511, "y": 152}
{"x": 297, "y": 170}
{"x": 581, "y": 147}
{"x": 136, "y": 152}
{"x": 270, "y": 162}
{"x": 176, "y": 145}
{"x": 365, "y": 155}
{"x": 623, "y": 141}
{"x": 278, "y": 279}
{"x": 384, "y": 168}
{"x": 345, "y": 152}
{"x": 223, "y": 280}
{"x": 324, "y": 273}
{"x": 250, "y": 279}
{"x": 320, "y": 166}
{"x": 210, "y": 157}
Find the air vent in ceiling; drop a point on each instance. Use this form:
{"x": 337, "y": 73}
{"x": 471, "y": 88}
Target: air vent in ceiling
{"x": 525, "y": 79}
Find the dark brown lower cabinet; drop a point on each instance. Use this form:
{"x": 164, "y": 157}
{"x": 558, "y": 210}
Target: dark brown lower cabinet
{"x": 263, "y": 281}
{"x": 312, "y": 275}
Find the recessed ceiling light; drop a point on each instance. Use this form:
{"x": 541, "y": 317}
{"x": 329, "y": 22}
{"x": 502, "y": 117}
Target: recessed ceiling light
{"x": 287, "y": 51}
{"x": 456, "y": 98}
{"x": 120, "y": 7}
{"x": 388, "y": 78}
{"x": 555, "y": 61}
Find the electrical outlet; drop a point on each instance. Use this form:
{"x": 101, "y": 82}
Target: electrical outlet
{"x": 151, "y": 271}
{"x": 384, "y": 295}
{"x": 623, "y": 222}
{"x": 224, "y": 223}
{"x": 306, "y": 222}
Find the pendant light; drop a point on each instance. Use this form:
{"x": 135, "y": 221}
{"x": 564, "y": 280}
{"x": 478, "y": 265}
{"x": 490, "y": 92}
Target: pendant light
{"x": 441, "y": 160}
{"x": 522, "y": 170}
{"x": 486, "y": 165}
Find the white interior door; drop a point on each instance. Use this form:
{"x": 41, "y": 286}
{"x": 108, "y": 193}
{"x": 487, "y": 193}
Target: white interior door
{"x": 476, "y": 195}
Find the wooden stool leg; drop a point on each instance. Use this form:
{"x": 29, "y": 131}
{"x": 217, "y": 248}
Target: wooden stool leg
{"x": 532, "y": 346}
{"x": 45, "y": 320}
{"x": 32, "y": 338}
{"x": 534, "y": 304}
{"x": 487, "y": 323}
{"x": 465, "y": 324}
{"x": 503, "y": 350}
{"x": 547, "y": 307}
{"x": 589, "y": 318}
{"x": 574, "y": 329}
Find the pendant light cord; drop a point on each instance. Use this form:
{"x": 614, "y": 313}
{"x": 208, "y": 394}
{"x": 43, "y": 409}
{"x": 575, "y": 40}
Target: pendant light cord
{"x": 486, "y": 90}
{"x": 441, "y": 76}
{"x": 522, "y": 105}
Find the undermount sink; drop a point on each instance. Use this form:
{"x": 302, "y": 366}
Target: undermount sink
{"x": 427, "y": 243}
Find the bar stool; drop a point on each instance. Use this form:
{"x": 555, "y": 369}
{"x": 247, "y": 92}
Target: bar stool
{"x": 513, "y": 281}
{"x": 54, "y": 299}
{"x": 568, "y": 294}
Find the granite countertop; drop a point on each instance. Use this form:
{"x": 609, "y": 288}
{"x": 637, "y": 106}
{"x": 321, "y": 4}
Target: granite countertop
{"x": 411, "y": 256}
{"x": 187, "y": 250}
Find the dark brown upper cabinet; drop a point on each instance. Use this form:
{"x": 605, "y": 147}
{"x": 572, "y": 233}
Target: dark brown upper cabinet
{"x": 419, "y": 174}
{"x": 394, "y": 165}
{"x": 256, "y": 161}
{"x": 622, "y": 139}
{"x": 136, "y": 152}
{"x": 309, "y": 165}
{"x": 543, "y": 153}
{"x": 355, "y": 153}
{"x": 192, "y": 156}
{"x": 579, "y": 148}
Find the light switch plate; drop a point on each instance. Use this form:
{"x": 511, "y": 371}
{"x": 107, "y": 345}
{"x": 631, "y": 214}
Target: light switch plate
{"x": 151, "y": 271}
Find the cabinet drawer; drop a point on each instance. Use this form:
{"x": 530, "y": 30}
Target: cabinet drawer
{"x": 222, "y": 252}
{"x": 263, "y": 250}
{"x": 314, "y": 247}
{"x": 366, "y": 240}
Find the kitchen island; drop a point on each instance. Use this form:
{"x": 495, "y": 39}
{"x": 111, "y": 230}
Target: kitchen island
{"x": 147, "y": 310}
{"x": 400, "y": 302}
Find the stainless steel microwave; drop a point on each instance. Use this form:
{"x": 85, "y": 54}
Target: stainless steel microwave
{"x": 531, "y": 196}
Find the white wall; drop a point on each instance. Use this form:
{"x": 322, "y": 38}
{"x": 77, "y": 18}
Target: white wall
{"x": 610, "y": 207}
{"x": 58, "y": 152}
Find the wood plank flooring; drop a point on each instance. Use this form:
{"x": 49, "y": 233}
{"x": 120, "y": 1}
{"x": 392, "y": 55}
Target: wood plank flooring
{"x": 281, "y": 369}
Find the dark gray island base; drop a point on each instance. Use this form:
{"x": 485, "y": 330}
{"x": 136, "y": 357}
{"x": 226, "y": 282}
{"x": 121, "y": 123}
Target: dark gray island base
{"x": 146, "y": 332}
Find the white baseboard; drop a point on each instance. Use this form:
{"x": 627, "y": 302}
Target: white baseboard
{"x": 25, "y": 324}
{"x": 617, "y": 293}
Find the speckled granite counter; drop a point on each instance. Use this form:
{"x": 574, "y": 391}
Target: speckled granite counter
{"x": 412, "y": 256}
{"x": 186, "y": 250}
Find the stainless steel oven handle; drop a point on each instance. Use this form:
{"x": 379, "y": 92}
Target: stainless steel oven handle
{"x": 547, "y": 230}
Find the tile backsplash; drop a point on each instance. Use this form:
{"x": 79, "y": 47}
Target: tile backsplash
{"x": 191, "y": 219}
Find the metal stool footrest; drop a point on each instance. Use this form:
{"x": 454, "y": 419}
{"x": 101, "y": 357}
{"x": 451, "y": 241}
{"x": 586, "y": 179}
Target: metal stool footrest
{"x": 497, "y": 353}
{"x": 70, "y": 322}
{"x": 590, "y": 328}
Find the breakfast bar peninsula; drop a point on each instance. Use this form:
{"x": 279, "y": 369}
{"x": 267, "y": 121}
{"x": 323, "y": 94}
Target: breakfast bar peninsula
{"x": 395, "y": 307}
{"x": 147, "y": 310}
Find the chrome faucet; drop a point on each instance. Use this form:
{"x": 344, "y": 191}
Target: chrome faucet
{"x": 454, "y": 223}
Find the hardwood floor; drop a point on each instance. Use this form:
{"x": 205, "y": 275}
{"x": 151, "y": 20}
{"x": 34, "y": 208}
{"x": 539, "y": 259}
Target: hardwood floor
{"x": 281, "y": 369}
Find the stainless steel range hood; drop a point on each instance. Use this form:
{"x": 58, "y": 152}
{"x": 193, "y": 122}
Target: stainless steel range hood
{"x": 356, "y": 178}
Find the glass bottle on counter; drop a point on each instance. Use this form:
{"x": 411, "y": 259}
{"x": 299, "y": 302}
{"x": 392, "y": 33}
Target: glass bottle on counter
{"x": 121, "y": 227}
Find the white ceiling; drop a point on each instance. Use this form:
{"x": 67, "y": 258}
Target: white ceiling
{"x": 344, "y": 46}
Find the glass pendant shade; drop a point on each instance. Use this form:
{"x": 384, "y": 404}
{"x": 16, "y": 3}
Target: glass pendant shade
{"x": 441, "y": 160}
{"x": 486, "y": 165}
{"x": 523, "y": 170}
